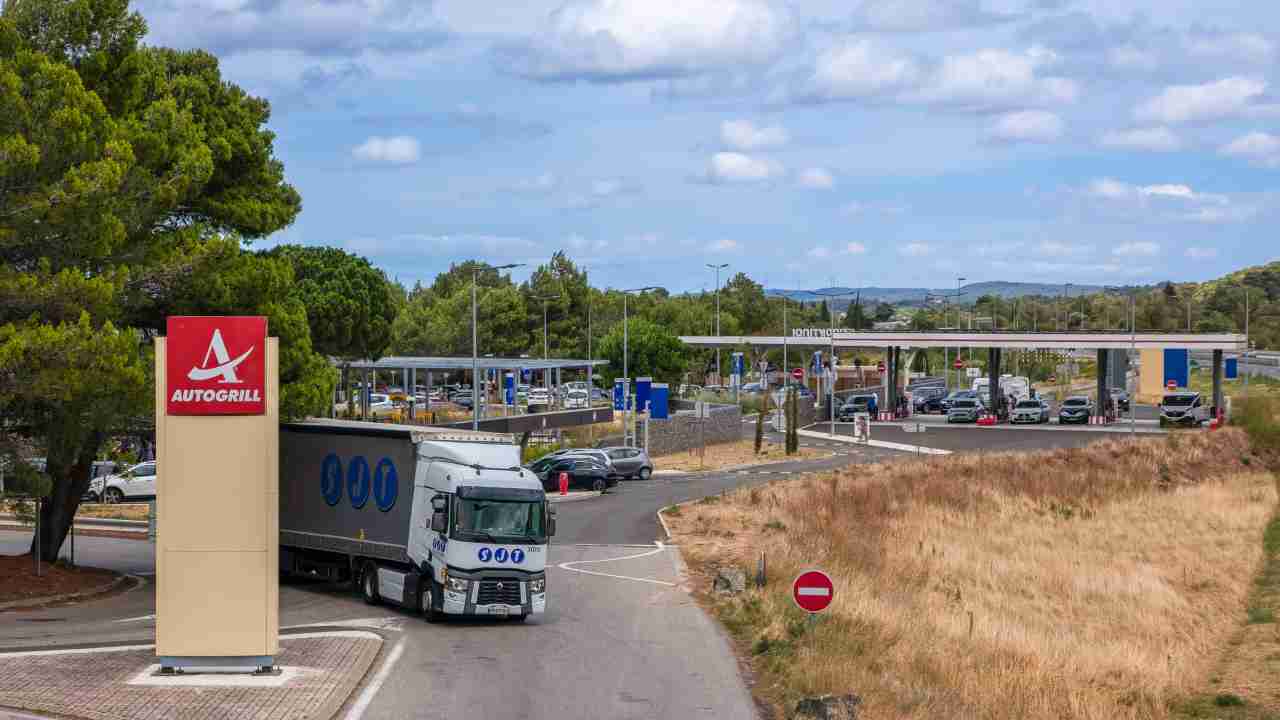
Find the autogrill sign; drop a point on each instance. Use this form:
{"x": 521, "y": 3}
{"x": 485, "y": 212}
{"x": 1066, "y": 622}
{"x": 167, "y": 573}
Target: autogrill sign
{"x": 216, "y": 365}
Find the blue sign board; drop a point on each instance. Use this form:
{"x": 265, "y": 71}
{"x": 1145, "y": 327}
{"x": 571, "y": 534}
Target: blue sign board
{"x": 1177, "y": 366}
{"x": 737, "y": 364}
{"x": 658, "y": 401}
{"x": 642, "y": 392}
{"x": 1232, "y": 368}
{"x": 619, "y": 394}
{"x": 817, "y": 362}
{"x": 509, "y": 388}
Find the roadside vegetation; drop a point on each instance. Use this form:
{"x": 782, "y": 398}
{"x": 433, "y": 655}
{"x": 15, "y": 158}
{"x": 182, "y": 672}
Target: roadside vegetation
{"x": 733, "y": 454}
{"x": 1101, "y": 582}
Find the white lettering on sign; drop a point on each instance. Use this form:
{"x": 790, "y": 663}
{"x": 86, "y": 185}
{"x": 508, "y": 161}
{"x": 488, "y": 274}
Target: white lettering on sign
{"x": 181, "y": 395}
{"x": 817, "y": 332}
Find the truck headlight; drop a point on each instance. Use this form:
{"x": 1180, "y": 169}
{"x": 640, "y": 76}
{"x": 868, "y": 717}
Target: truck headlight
{"x": 456, "y": 585}
{"x": 537, "y": 586}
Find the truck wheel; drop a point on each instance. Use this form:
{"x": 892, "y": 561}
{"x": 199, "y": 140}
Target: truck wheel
{"x": 427, "y": 602}
{"x": 369, "y": 584}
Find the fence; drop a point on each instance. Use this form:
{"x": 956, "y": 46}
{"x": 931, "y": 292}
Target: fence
{"x": 684, "y": 431}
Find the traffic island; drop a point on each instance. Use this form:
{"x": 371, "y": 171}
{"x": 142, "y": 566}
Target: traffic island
{"x": 22, "y": 586}
{"x": 319, "y": 672}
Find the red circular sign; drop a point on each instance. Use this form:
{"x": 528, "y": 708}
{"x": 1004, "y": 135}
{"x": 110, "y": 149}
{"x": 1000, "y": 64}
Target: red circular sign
{"x": 1053, "y": 379}
{"x": 959, "y": 364}
{"x": 798, "y": 373}
{"x": 813, "y": 591}
{"x": 880, "y": 366}
{"x": 1172, "y": 385}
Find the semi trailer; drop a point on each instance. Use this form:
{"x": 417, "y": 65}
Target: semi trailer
{"x": 437, "y": 520}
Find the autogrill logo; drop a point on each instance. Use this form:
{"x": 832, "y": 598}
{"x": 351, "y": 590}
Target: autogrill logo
{"x": 216, "y": 396}
{"x": 216, "y": 365}
{"x": 225, "y": 370}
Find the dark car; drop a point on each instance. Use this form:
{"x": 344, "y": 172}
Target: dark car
{"x": 1120, "y": 399}
{"x": 629, "y": 462}
{"x": 928, "y": 399}
{"x": 856, "y": 404}
{"x": 946, "y": 402}
{"x": 1076, "y": 409}
{"x": 584, "y": 472}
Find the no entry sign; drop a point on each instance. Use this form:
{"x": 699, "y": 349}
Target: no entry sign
{"x": 797, "y": 373}
{"x": 813, "y": 591}
{"x": 959, "y": 364}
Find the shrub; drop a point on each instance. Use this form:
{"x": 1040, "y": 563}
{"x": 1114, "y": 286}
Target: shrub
{"x": 1259, "y": 416}
{"x": 1228, "y": 700}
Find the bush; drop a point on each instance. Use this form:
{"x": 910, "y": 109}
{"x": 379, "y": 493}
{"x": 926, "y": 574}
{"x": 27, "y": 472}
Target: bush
{"x": 1259, "y": 416}
{"x": 533, "y": 452}
{"x": 1228, "y": 700}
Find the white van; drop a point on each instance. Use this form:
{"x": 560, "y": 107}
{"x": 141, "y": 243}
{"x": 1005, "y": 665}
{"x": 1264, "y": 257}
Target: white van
{"x": 1183, "y": 408}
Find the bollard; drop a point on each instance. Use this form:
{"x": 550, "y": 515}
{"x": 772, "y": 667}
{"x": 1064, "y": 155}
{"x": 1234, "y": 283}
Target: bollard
{"x": 564, "y": 483}
{"x": 761, "y": 577}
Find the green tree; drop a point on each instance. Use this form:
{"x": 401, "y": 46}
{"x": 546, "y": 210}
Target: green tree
{"x": 128, "y": 176}
{"x": 652, "y": 351}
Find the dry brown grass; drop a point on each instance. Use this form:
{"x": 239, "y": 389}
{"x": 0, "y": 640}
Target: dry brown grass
{"x": 1101, "y": 582}
{"x": 732, "y": 454}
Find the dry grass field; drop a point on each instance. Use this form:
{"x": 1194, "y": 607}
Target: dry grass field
{"x": 732, "y": 454}
{"x": 1095, "y": 583}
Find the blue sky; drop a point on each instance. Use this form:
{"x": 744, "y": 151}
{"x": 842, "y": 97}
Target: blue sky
{"x": 873, "y": 142}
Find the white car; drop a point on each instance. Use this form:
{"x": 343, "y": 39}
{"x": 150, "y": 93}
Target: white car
{"x": 539, "y": 396}
{"x": 136, "y": 483}
{"x": 577, "y": 399}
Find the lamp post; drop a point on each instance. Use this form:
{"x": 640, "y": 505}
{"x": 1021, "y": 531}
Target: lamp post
{"x": 831, "y": 384}
{"x": 475, "y": 343}
{"x": 1133, "y": 351}
{"x": 718, "y": 268}
{"x": 626, "y": 401}
{"x": 546, "y": 372}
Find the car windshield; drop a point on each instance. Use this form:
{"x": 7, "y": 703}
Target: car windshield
{"x": 1179, "y": 400}
{"x": 498, "y": 520}
{"x": 964, "y": 403}
{"x": 1076, "y": 402}
{"x": 1029, "y": 405}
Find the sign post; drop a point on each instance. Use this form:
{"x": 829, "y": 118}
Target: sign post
{"x": 217, "y": 445}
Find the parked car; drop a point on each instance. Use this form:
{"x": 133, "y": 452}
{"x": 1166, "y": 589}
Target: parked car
{"x": 1184, "y": 408}
{"x": 584, "y": 472}
{"x": 946, "y": 402}
{"x": 753, "y": 388}
{"x": 1120, "y": 398}
{"x": 629, "y": 462}
{"x": 1030, "y": 411}
{"x": 865, "y": 403}
{"x": 1075, "y": 409}
{"x": 540, "y": 397}
{"x": 577, "y": 399}
{"x": 928, "y": 399}
{"x": 100, "y": 469}
{"x": 136, "y": 483}
{"x": 599, "y": 456}
{"x": 964, "y": 410}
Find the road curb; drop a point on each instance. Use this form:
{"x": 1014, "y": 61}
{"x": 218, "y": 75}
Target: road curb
{"x": 66, "y": 597}
{"x": 920, "y": 449}
{"x": 572, "y": 497}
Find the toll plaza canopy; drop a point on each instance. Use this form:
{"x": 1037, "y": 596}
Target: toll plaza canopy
{"x": 397, "y": 362}
{"x": 988, "y": 339}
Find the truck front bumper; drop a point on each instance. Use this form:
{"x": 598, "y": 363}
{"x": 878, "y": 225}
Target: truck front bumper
{"x": 500, "y": 596}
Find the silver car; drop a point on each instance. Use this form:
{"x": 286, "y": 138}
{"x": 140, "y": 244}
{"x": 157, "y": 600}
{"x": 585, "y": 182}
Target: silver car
{"x": 630, "y": 462}
{"x": 965, "y": 410}
{"x": 1030, "y": 411}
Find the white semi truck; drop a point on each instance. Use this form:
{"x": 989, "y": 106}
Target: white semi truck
{"x": 442, "y": 521}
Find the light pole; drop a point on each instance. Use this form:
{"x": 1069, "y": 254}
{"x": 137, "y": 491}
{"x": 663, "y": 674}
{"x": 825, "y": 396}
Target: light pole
{"x": 1133, "y": 351}
{"x": 546, "y": 372}
{"x": 718, "y": 268}
{"x": 831, "y": 384}
{"x": 475, "y": 343}
{"x": 626, "y": 401}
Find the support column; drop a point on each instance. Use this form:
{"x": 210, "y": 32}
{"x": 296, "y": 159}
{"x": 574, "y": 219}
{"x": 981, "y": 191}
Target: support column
{"x": 1104, "y": 392}
{"x": 428, "y": 402}
{"x": 1218, "y": 409}
{"x": 993, "y": 381}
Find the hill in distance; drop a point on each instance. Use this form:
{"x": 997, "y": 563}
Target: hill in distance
{"x": 916, "y": 296}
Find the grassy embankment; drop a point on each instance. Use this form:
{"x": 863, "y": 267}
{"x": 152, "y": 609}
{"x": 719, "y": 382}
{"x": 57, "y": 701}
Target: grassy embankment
{"x": 1093, "y": 583}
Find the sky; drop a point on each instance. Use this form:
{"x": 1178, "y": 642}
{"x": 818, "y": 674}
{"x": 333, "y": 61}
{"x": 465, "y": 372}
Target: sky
{"x": 808, "y": 144}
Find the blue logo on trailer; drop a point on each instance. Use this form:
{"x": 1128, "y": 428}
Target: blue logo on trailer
{"x": 358, "y": 481}
{"x": 385, "y": 484}
{"x": 331, "y": 478}
{"x": 500, "y": 555}
{"x": 517, "y": 556}
{"x": 485, "y": 554}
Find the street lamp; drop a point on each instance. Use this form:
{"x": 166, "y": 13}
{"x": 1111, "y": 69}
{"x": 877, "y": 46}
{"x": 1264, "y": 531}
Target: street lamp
{"x": 625, "y": 350}
{"x": 546, "y": 372}
{"x": 1133, "y": 351}
{"x": 475, "y": 343}
{"x": 718, "y": 268}
{"x": 831, "y": 384}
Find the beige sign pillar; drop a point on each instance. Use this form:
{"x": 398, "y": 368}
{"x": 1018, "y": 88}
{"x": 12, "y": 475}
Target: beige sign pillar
{"x": 217, "y": 544}
{"x": 1151, "y": 376}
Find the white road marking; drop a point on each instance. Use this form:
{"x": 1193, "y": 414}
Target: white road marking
{"x": 140, "y": 618}
{"x": 395, "y": 624}
{"x": 362, "y": 703}
{"x": 655, "y": 551}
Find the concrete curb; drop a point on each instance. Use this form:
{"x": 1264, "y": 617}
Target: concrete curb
{"x": 920, "y": 449}
{"x": 572, "y": 497}
{"x": 65, "y": 597}
{"x": 89, "y": 522}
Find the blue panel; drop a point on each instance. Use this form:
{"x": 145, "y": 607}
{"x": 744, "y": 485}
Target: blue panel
{"x": 619, "y": 394}
{"x": 1176, "y": 366}
{"x": 509, "y": 389}
{"x": 1232, "y": 368}
{"x": 658, "y": 402}
{"x": 642, "y": 392}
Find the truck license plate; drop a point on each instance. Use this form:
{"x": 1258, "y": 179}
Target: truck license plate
{"x": 499, "y": 610}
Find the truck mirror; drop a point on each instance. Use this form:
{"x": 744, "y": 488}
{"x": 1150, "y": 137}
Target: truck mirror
{"x": 439, "y": 503}
{"x": 439, "y": 521}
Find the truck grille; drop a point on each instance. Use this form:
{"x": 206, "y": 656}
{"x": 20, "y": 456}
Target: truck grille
{"x": 490, "y": 593}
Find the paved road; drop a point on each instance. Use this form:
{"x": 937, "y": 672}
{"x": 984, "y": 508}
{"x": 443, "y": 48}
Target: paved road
{"x": 978, "y": 439}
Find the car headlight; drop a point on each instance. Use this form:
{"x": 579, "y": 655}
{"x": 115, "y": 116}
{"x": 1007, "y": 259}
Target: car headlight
{"x": 456, "y": 585}
{"x": 537, "y": 586}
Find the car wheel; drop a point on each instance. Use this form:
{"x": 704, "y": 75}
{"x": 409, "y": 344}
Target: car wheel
{"x": 518, "y": 618}
{"x": 112, "y": 496}
{"x": 646, "y": 473}
{"x": 369, "y": 584}
{"x": 427, "y": 602}
{"x": 93, "y": 498}
{"x": 599, "y": 485}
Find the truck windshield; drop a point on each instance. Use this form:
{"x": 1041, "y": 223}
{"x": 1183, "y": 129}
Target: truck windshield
{"x": 498, "y": 521}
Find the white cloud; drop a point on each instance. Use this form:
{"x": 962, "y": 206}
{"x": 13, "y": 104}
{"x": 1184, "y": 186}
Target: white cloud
{"x": 816, "y": 178}
{"x": 1038, "y": 126}
{"x": 742, "y": 135}
{"x": 397, "y": 150}
{"x": 621, "y": 40}
{"x": 855, "y": 248}
{"x": 1111, "y": 189}
{"x": 1153, "y": 139}
{"x": 1056, "y": 248}
{"x": 1239, "y": 46}
{"x": 920, "y": 15}
{"x": 1228, "y": 97}
{"x": 916, "y": 249}
{"x": 1201, "y": 253}
{"x": 859, "y": 68}
{"x": 818, "y": 253}
{"x": 737, "y": 167}
{"x": 421, "y": 245}
{"x": 1259, "y": 148}
{"x": 725, "y": 245}
{"x": 1136, "y": 249}
{"x": 1128, "y": 57}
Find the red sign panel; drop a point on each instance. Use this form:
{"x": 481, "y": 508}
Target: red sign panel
{"x": 216, "y": 365}
{"x": 959, "y": 364}
{"x": 1172, "y": 385}
{"x": 798, "y": 373}
{"x": 880, "y": 366}
{"x": 813, "y": 591}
